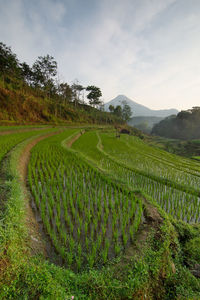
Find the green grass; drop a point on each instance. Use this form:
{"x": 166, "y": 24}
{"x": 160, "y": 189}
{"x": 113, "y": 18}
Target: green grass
{"x": 7, "y": 142}
{"x": 196, "y": 157}
{"x": 18, "y": 127}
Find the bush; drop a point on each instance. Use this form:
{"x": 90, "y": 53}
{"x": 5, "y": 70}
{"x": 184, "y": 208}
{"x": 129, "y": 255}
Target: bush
{"x": 192, "y": 249}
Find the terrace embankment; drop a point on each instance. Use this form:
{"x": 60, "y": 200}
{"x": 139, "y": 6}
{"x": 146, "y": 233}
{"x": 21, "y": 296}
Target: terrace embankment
{"x": 151, "y": 253}
{"x": 35, "y": 241}
{"x": 151, "y": 224}
{"x": 76, "y": 137}
{"x": 5, "y": 132}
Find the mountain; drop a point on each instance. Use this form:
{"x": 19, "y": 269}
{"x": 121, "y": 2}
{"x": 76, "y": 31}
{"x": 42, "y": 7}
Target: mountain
{"x": 140, "y": 110}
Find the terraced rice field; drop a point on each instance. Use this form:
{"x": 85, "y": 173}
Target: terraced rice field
{"x": 88, "y": 218}
{"x": 170, "y": 180}
{"x": 90, "y": 196}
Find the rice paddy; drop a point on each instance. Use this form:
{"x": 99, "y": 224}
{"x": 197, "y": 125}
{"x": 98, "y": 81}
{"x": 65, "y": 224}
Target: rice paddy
{"x": 86, "y": 196}
{"x": 177, "y": 197}
{"x": 88, "y": 218}
{"x": 91, "y": 194}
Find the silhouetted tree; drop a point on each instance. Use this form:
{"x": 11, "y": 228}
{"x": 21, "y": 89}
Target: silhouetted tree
{"x": 111, "y": 108}
{"x": 94, "y": 95}
{"x": 126, "y": 111}
{"x": 118, "y": 111}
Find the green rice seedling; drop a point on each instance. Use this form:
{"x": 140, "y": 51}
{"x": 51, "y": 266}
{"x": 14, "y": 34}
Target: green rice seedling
{"x": 94, "y": 250}
{"x": 87, "y": 243}
{"x": 79, "y": 250}
{"x": 73, "y": 210}
{"x": 115, "y": 234}
{"x": 124, "y": 237}
{"x": 105, "y": 202}
{"x": 99, "y": 241}
{"x": 105, "y": 255}
{"x": 37, "y": 200}
{"x": 58, "y": 224}
{"x": 103, "y": 230}
{"x": 64, "y": 236}
{"x": 78, "y": 233}
{"x": 117, "y": 249}
{"x": 62, "y": 253}
{"x": 89, "y": 216}
{"x": 80, "y": 221}
{"x": 92, "y": 233}
{"x": 58, "y": 209}
{"x": 86, "y": 227}
{"x": 95, "y": 223}
{"x": 67, "y": 219}
{"x": 48, "y": 229}
{"x": 78, "y": 262}
{"x": 99, "y": 213}
{"x": 131, "y": 232}
{"x": 91, "y": 260}
{"x": 71, "y": 244}
{"x": 50, "y": 212}
{"x": 70, "y": 258}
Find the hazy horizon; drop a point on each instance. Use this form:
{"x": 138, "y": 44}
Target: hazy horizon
{"x": 147, "y": 50}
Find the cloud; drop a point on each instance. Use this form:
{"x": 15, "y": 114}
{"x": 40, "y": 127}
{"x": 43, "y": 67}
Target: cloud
{"x": 30, "y": 29}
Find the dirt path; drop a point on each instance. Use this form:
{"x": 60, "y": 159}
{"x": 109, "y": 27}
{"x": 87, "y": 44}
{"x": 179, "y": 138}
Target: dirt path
{"x": 76, "y": 137}
{"x": 35, "y": 240}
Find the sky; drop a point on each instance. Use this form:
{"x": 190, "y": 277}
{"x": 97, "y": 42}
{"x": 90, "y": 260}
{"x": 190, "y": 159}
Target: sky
{"x": 148, "y": 50}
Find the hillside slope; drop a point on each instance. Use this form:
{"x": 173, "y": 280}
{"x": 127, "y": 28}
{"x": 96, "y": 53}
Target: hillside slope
{"x": 20, "y": 103}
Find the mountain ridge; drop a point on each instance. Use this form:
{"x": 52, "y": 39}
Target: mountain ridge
{"x": 139, "y": 109}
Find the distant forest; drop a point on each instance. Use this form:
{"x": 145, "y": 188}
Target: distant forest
{"x": 186, "y": 125}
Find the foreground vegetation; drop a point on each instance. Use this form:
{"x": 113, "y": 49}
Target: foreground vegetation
{"x": 102, "y": 212}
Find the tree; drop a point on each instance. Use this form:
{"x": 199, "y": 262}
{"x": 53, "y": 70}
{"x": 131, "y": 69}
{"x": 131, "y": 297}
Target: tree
{"x": 101, "y": 106}
{"x": 66, "y": 92}
{"x": 123, "y": 112}
{"x": 186, "y": 125}
{"x": 111, "y": 108}
{"x": 9, "y": 63}
{"x": 77, "y": 89}
{"x": 44, "y": 71}
{"x": 126, "y": 111}
{"x": 26, "y": 72}
{"x": 94, "y": 95}
{"x": 118, "y": 111}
